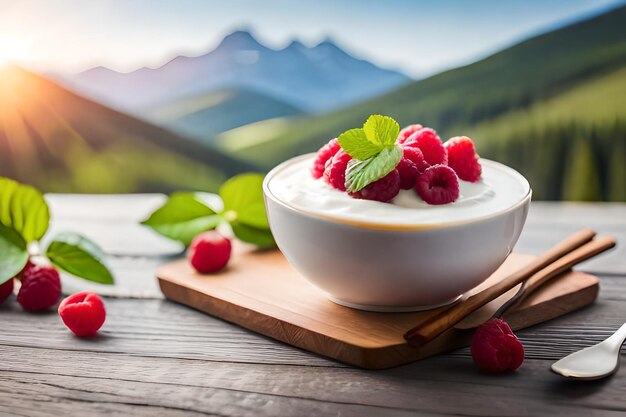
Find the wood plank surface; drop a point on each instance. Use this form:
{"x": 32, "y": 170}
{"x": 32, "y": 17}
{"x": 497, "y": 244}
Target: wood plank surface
{"x": 263, "y": 293}
{"x": 154, "y": 357}
{"x": 208, "y": 366}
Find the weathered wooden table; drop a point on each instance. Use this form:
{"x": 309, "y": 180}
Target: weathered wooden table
{"x": 155, "y": 357}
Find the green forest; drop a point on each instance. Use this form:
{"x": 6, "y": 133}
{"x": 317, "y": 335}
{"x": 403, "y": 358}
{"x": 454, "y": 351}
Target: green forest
{"x": 568, "y": 161}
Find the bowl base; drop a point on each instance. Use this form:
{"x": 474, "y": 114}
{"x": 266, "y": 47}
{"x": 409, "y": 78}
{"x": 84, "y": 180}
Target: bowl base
{"x": 391, "y": 309}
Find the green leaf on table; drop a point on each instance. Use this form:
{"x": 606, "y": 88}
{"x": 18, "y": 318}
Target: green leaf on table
{"x": 183, "y": 217}
{"x": 243, "y": 200}
{"x": 381, "y": 130}
{"x": 23, "y": 209}
{"x": 13, "y": 253}
{"x": 361, "y": 173}
{"x": 356, "y": 144}
{"x": 79, "y": 256}
{"x": 257, "y": 236}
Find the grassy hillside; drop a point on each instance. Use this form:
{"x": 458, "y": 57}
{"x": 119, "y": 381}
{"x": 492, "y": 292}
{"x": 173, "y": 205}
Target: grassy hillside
{"x": 253, "y": 134}
{"x": 599, "y": 100}
{"x": 58, "y": 141}
{"x": 571, "y": 147}
{"x": 209, "y": 114}
{"x": 516, "y": 78}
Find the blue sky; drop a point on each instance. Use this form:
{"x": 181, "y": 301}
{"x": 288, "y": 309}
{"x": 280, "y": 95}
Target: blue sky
{"x": 418, "y": 37}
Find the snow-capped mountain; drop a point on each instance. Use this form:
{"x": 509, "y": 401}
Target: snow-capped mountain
{"x": 315, "y": 79}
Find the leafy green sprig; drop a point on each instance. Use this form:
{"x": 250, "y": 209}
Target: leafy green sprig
{"x": 24, "y": 221}
{"x": 373, "y": 149}
{"x": 185, "y": 215}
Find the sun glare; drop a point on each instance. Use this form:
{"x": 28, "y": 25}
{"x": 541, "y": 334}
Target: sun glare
{"x": 12, "y": 50}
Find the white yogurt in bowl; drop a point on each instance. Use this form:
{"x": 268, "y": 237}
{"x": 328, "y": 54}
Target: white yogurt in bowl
{"x": 500, "y": 188}
{"x": 399, "y": 256}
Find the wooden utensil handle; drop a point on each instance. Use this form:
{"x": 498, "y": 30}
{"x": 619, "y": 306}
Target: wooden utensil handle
{"x": 588, "y": 250}
{"x": 447, "y": 318}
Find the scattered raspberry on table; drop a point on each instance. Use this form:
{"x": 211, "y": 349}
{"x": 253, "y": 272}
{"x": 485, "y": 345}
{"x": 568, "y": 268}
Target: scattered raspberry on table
{"x": 83, "y": 313}
{"x": 209, "y": 252}
{"x": 495, "y": 348}
{"x": 6, "y": 290}
{"x": 41, "y": 287}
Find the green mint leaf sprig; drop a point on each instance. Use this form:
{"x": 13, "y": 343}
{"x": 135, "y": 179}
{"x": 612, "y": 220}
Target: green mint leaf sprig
{"x": 374, "y": 150}
{"x": 77, "y": 255}
{"x": 259, "y": 237}
{"x": 185, "y": 215}
{"x": 25, "y": 218}
{"x": 23, "y": 209}
{"x": 182, "y": 217}
{"x": 361, "y": 173}
{"x": 13, "y": 253}
{"x": 243, "y": 200}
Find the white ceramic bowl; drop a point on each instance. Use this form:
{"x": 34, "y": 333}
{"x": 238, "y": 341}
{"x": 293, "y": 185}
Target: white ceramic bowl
{"x": 370, "y": 267}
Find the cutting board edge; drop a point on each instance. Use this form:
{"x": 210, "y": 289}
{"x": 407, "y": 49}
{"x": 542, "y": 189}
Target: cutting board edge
{"x": 324, "y": 345}
{"x": 363, "y": 357}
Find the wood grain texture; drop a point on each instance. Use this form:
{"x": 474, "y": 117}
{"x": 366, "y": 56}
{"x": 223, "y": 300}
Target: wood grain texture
{"x": 262, "y": 292}
{"x": 154, "y": 357}
{"x": 257, "y": 380}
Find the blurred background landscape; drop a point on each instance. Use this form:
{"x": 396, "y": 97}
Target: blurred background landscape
{"x": 143, "y": 96}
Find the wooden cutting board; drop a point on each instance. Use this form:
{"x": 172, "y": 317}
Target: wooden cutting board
{"x": 262, "y": 292}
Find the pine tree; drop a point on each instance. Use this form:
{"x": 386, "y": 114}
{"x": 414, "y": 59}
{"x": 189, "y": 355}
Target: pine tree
{"x": 617, "y": 168}
{"x": 581, "y": 179}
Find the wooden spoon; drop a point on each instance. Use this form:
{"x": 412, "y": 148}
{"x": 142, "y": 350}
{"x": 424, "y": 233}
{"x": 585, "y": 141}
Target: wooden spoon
{"x": 436, "y": 325}
{"x": 550, "y": 272}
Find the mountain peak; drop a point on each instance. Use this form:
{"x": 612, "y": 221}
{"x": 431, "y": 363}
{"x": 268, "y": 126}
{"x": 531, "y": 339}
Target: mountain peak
{"x": 327, "y": 43}
{"x": 309, "y": 78}
{"x": 295, "y": 45}
{"x": 99, "y": 70}
{"x": 240, "y": 39}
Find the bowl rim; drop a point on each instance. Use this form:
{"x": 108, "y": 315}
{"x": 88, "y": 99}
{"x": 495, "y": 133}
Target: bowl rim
{"x": 383, "y": 226}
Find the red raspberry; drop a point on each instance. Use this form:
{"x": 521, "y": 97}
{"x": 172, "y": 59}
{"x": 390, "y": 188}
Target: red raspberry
{"x": 209, "y": 252}
{"x": 438, "y": 185}
{"x": 324, "y": 154}
{"x": 409, "y": 166}
{"x": 41, "y": 288}
{"x": 335, "y": 171}
{"x": 384, "y": 190}
{"x": 417, "y": 157}
{"x": 83, "y": 313}
{"x": 463, "y": 159}
{"x": 408, "y": 172}
{"x": 406, "y": 132}
{"x": 495, "y": 348}
{"x": 429, "y": 143}
{"x": 29, "y": 265}
{"x": 6, "y": 290}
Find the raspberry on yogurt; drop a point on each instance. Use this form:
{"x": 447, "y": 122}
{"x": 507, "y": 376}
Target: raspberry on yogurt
{"x": 335, "y": 170}
{"x": 325, "y": 153}
{"x": 430, "y": 144}
{"x": 384, "y": 190}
